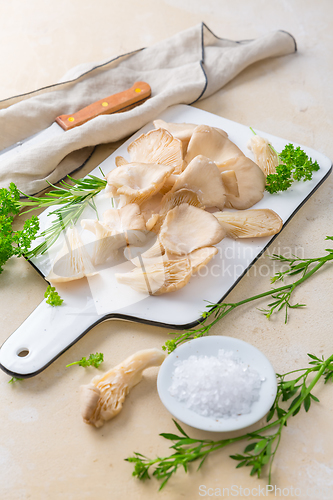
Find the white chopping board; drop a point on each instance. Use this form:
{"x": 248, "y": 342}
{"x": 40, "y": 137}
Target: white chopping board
{"x": 49, "y": 331}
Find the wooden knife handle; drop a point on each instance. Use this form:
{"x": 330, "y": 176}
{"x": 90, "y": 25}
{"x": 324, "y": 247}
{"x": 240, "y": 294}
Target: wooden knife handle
{"x": 123, "y": 101}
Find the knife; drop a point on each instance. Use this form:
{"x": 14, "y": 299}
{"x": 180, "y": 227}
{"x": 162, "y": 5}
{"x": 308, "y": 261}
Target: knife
{"x": 116, "y": 103}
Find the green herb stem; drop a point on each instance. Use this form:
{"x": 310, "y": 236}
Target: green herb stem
{"x": 71, "y": 201}
{"x": 282, "y": 294}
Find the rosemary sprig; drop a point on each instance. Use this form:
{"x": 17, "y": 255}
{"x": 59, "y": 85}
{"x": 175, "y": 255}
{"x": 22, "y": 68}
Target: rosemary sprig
{"x": 73, "y": 199}
{"x": 261, "y": 450}
{"x": 282, "y": 296}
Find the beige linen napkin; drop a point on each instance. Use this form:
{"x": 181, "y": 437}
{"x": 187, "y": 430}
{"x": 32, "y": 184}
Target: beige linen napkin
{"x": 182, "y": 69}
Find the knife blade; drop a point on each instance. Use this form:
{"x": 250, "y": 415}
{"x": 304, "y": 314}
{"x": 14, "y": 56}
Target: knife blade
{"x": 116, "y": 103}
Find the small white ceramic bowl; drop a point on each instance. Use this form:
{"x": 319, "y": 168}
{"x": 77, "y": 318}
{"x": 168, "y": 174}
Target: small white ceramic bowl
{"x": 210, "y": 346}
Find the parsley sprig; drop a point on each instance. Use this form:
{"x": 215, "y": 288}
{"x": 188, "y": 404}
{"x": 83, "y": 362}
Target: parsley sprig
{"x": 294, "y": 165}
{"x": 261, "y": 451}
{"x": 94, "y": 360}
{"x": 282, "y": 296}
{"x": 52, "y": 297}
{"x": 14, "y": 242}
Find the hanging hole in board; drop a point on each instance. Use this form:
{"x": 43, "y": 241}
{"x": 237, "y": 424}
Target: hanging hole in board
{"x": 23, "y": 353}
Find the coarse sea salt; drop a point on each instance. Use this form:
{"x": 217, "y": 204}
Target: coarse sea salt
{"x": 216, "y": 387}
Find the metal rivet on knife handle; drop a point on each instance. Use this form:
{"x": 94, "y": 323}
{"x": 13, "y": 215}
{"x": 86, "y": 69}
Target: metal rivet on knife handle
{"x": 116, "y": 103}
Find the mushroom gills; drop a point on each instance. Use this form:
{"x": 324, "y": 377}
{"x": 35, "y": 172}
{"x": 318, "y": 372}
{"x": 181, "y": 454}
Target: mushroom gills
{"x": 168, "y": 275}
{"x": 103, "y": 398}
{"x": 255, "y": 223}
{"x": 158, "y": 146}
{"x": 73, "y": 261}
{"x": 264, "y": 156}
{"x": 181, "y": 131}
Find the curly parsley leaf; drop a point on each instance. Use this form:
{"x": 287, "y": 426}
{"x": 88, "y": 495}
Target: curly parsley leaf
{"x": 14, "y": 242}
{"x": 295, "y": 166}
{"x": 93, "y": 360}
{"x": 53, "y": 297}
{"x": 8, "y": 200}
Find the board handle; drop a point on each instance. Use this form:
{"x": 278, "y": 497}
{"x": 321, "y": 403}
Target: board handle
{"x": 123, "y": 101}
{"x": 44, "y": 335}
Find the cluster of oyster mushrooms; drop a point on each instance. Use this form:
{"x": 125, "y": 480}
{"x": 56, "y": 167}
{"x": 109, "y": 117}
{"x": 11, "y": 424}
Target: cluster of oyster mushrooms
{"x": 171, "y": 197}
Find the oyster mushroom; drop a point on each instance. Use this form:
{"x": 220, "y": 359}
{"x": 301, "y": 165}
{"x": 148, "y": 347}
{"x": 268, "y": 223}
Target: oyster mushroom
{"x": 120, "y": 227}
{"x": 107, "y": 241}
{"x": 181, "y": 131}
{"x": 250, "y": 223}
{"x": 73, "y": 261}
{"x": 250, "y": 182}
{"x": 176, "y": 198}
{"x": 136, "y": 182}
{"x": 151, "y": 206}
{"x": 169, "y": 183}
{"x": 186, "y": 228}
{"x": 157, "y": 146}
{"x": 212, "y": 143}
{"x": 200, "y": 258}
{"x": 204, "y": 178}
{"x": 126, "y": 218}
{"x": 152, "y": 255}
{"x": 120, "y": 161}
{"x": 230, "y": 183}
{"x": 264, "y": 155}
{"x": 103, "y": 398}
{"x": 170, "y": 273}
{"x": 158, "y": 278}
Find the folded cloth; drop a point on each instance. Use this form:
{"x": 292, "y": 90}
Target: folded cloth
{"x": 182, "y": 69}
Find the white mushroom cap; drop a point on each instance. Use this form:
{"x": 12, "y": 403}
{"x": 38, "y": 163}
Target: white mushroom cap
{"x": 157, "y": 146}
{"x": 250, "y": 223}
{"x": 107, "y": 241}
{"x": 186, "y": 228}
{"x": 250, "y": 181}
{"x": 181, "y": 131}
{"x": 230, "y": 183}
{"x": 136, "y": 182}
{"x": 151, "y": 206}
{"x": 203, "y": 177}
{"x": 212, "y": 143}
{"x": 120, "y": 227}
{"x": 125, "y": 218}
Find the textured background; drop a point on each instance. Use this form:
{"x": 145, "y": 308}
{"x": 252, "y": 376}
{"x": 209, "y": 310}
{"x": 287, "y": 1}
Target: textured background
{"x": 45, "y": 449}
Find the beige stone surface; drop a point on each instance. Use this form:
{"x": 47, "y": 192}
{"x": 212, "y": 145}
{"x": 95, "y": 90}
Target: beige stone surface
{"x": 46, "y": 452}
